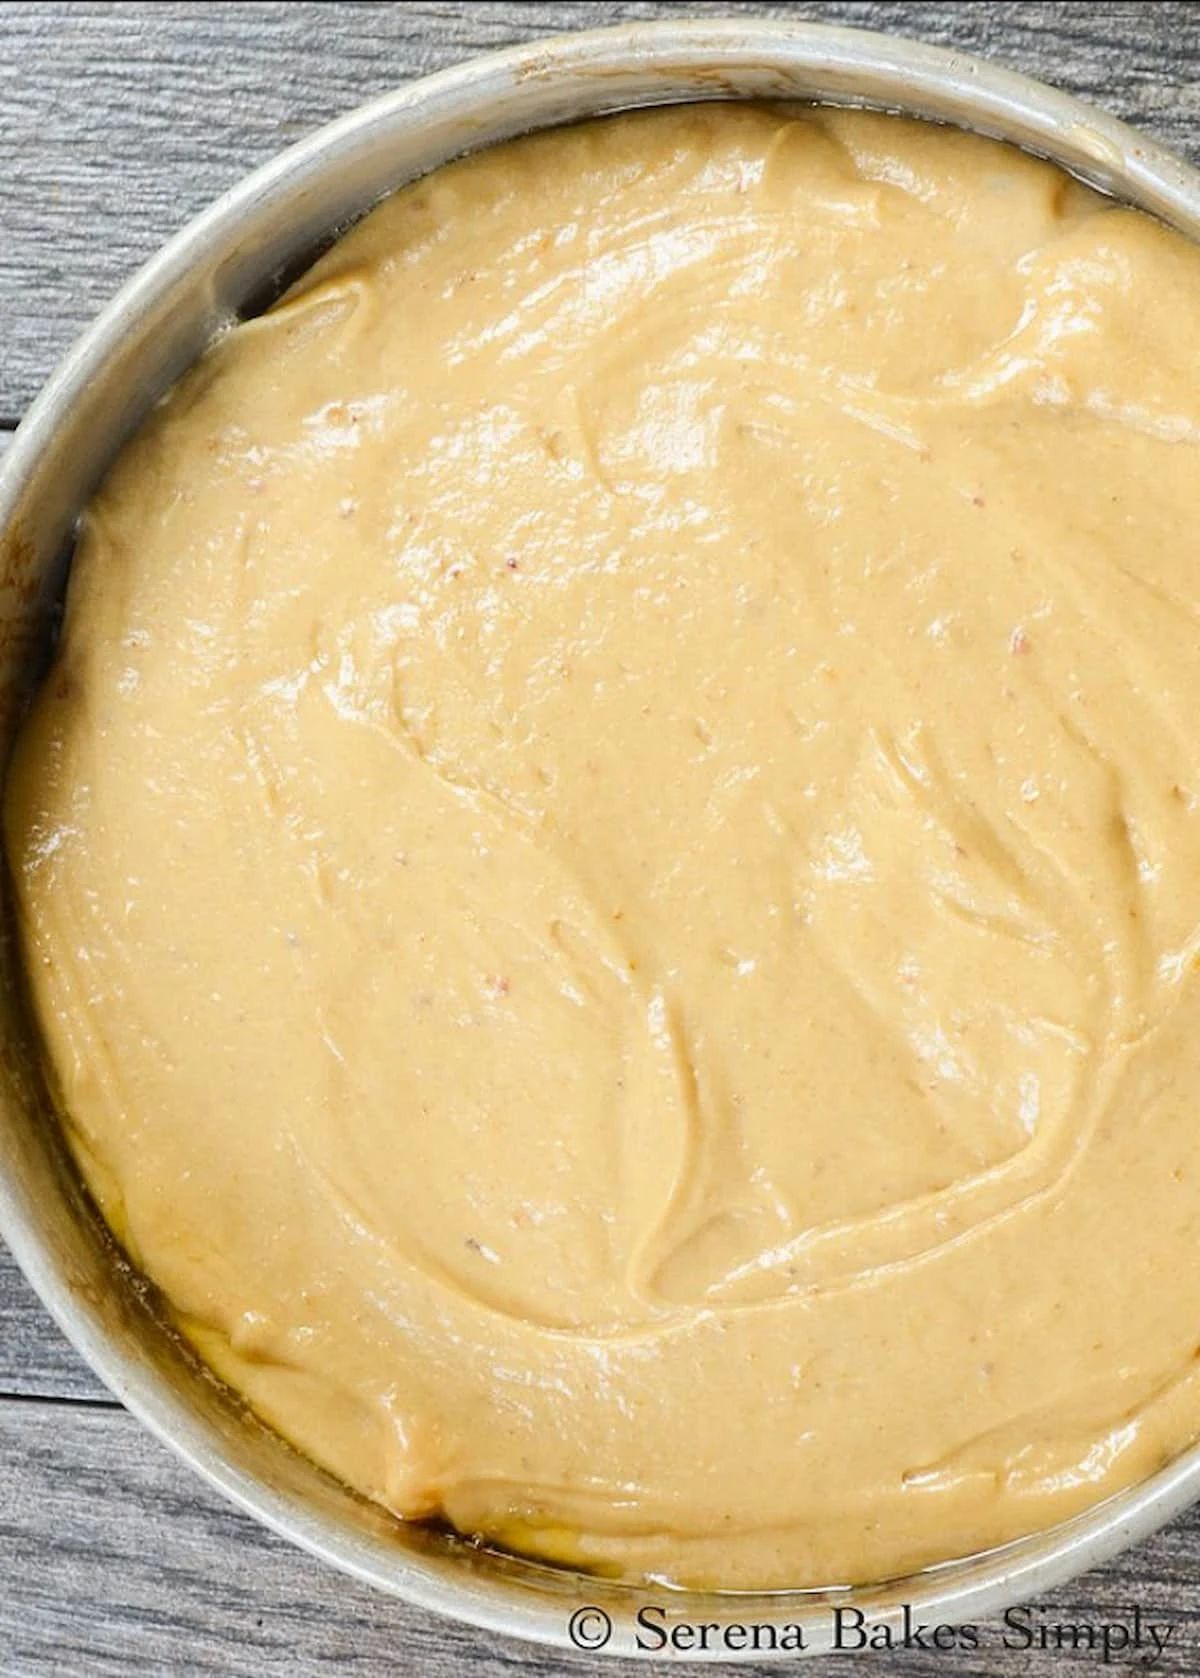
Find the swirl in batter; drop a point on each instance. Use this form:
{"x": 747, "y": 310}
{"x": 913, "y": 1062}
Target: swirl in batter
{"x": 610, "y": 863}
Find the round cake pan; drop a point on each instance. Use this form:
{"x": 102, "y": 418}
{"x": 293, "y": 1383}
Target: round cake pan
{"x": 228, "y": 263}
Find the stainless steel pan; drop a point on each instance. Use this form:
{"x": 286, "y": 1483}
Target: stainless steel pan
{"x": 225, "y": 264}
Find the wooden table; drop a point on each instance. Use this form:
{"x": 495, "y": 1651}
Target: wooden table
{"x": 117, "y": 123}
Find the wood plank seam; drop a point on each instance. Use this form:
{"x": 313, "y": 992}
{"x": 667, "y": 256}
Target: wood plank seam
{"x": 117, "y": 123}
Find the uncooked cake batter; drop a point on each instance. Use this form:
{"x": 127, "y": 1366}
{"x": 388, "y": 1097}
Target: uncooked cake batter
{"x": 610, "y": 863}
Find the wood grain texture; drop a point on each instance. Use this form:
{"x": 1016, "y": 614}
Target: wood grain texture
{"x": 36, "y": 1361}
{"x": 115, "y": 1559}
{"x": 118, "y": 122}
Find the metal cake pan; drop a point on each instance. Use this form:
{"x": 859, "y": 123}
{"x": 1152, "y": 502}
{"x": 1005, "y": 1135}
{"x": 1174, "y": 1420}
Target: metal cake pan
{"x": 226, "y": 264}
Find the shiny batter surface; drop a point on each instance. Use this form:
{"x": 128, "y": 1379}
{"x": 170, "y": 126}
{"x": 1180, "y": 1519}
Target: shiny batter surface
{"x": 611, "y": 864}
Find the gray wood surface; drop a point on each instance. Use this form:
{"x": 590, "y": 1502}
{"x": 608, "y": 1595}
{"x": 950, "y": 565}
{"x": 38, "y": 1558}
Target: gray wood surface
{"x": 117, "y": 122}
{"x": 115, "y": 1560}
